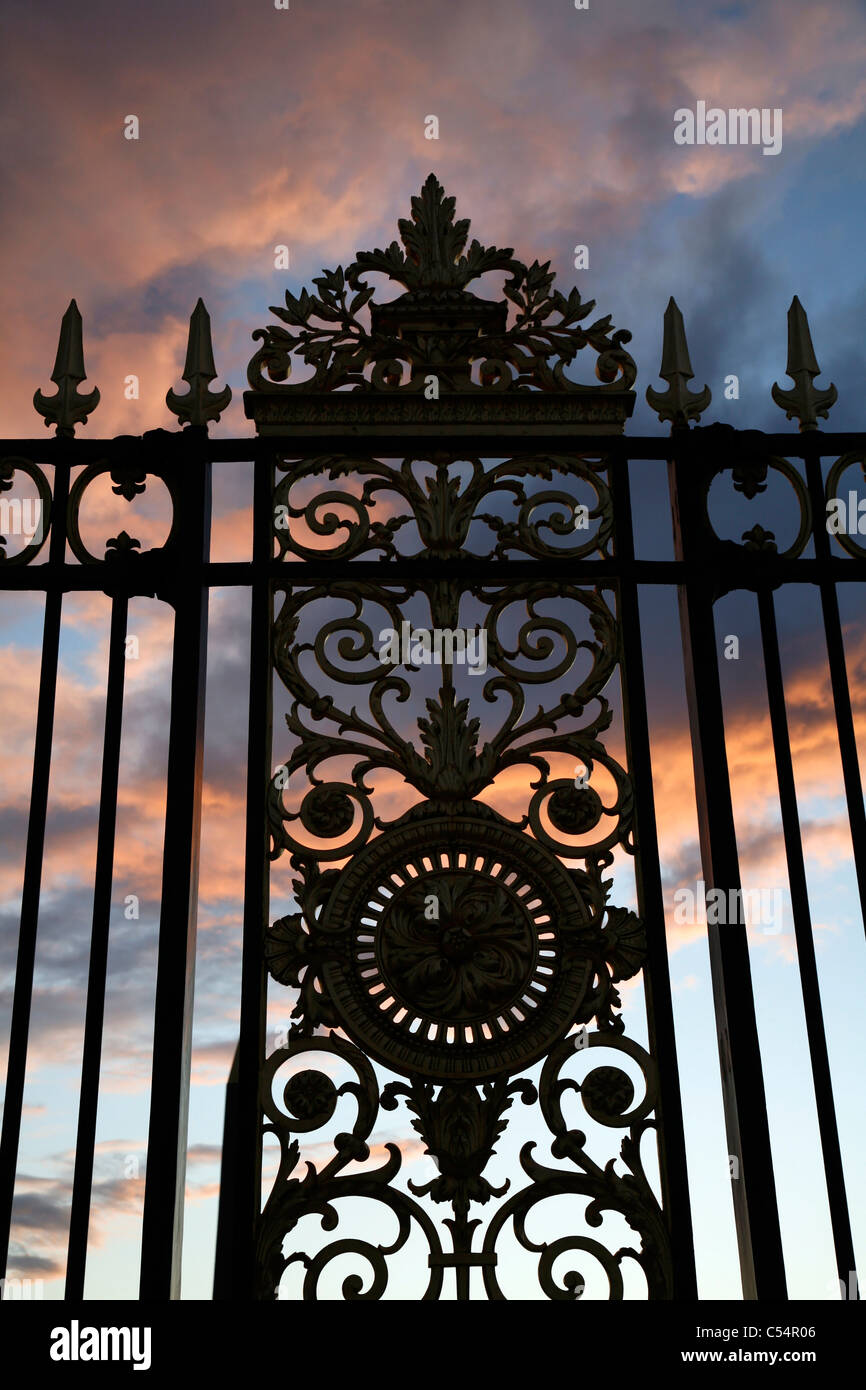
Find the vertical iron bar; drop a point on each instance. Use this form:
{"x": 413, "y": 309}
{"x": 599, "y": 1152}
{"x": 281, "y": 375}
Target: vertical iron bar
{"x": 228, "y": 1187}
{"x": 162, "y": 1227}
{"x": 241, "y": 1181}
{"x": 756, "y": 1213}
{"x": 821, "y": 1075}
{"x": 657, "y": 984}
{"x": 82, "y": 1181}
{"x": 461, "y": 1240}
{"x": 838, "y": 675}
{"x": 23, "y": 996}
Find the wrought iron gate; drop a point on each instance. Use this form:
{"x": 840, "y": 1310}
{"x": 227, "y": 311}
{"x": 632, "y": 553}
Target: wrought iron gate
{"x": 444, "y": 585}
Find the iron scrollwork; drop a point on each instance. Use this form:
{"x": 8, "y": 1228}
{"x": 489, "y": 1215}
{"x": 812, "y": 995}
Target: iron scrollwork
{"x": 441, "y": 508}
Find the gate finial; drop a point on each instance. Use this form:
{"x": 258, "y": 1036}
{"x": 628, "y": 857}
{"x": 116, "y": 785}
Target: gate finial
{"x": 199, "y": 404}
{"x": 804, "y": 401}
{"x": 67, "y": 407}
{"x": 678, "y": 404}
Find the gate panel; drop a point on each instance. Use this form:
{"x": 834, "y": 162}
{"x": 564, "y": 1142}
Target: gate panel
{"x": 457, "y": 944}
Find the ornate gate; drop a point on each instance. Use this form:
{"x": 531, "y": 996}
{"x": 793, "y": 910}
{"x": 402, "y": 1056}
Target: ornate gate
{"x": 444, "y": 598}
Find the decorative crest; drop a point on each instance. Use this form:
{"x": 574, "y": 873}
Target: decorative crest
{"x": 438, "y": 332}
{"x": 678, "y": 404}
{"x": 68, "y": 408}
{"x": 199, "y": 404}
{"x": 804, "y": 401}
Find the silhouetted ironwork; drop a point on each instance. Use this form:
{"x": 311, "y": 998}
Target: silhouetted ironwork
{"x": 453, "y": 946}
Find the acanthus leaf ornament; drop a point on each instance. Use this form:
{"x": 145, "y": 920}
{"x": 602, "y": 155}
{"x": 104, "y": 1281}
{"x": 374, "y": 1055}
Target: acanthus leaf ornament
{"x": 460, "y": 1126}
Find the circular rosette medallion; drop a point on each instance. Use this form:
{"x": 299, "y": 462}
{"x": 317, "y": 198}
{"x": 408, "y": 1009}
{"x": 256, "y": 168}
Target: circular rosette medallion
{"x": 467, "y": 948}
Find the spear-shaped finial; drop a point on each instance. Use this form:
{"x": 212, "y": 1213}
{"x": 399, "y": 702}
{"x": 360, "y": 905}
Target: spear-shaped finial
{"x": 199, "y": 404}
{"x": 804, "y": 401}
{"x": 67, "y": 408}
{"x": 678, "y": 404}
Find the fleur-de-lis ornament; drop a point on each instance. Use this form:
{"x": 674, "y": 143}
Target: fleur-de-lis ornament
{"x": 678, "y": 404}
{"x": 68, "y": 408}
{"x": 804, "y": 401}
{"x": 199, "y": 404}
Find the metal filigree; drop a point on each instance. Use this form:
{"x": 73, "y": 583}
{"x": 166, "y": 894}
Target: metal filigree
{"x": 448, "y": 945}
{"x": 308, "y": 1101}
{"x": 437, "y": 329}
{"x": 460, "y": 1126}
{"x": 467, "y": 935}
{"x": 438, "y": 508}
{"x": 516, "y": 953}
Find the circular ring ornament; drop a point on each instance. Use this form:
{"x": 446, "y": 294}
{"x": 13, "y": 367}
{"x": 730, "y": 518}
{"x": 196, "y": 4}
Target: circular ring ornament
{"x": 842, "y": 537}
{"x": 459, "y": 949}
{"x": 8, "y": 468}
{"x": 310, "y": 1096}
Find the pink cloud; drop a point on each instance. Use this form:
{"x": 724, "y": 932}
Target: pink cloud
{"x": 199, "y": 197}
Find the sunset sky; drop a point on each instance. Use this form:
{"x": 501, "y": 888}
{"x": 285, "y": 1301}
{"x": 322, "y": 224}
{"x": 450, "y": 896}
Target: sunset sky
{"x": 306, "y": 127}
